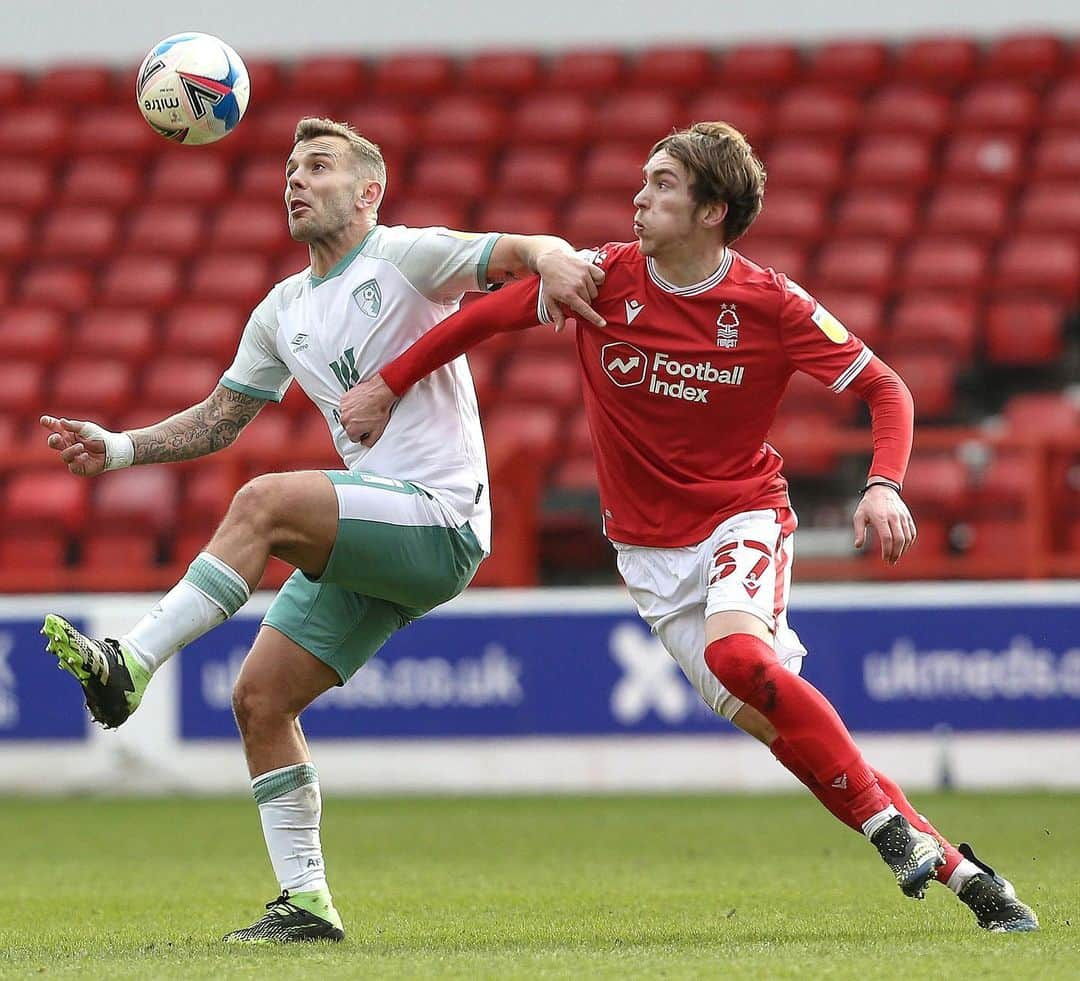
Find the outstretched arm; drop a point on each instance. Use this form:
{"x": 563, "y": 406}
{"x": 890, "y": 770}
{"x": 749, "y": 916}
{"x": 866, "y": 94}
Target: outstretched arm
{"x": 365, "y": 408}
{"x": 88, "y": 449}
{"x": 892, "y": 423}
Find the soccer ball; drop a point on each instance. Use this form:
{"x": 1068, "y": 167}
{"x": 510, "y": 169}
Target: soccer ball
{"x": 192, "y": 88}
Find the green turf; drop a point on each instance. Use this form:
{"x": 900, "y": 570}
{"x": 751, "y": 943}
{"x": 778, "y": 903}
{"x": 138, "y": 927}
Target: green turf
{"x": 673, "y": 887}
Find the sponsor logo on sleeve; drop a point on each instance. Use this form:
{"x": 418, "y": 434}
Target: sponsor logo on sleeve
{"x": 829, "y": 325}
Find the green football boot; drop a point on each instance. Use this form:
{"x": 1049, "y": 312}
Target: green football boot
{"x": 286, "y": 922}
{"x": 112, "y": 680}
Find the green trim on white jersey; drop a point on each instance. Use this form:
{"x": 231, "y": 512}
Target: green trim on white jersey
{"x": 255, "y": 393}
{"x": 343, "y": 263}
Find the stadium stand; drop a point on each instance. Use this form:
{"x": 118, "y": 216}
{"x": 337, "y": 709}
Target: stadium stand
{"x": 927, "y": 192}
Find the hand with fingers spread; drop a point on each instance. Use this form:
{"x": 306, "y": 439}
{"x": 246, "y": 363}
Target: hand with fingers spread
{"x": 365, "y": 410}
{"x": 87, "y": 448}
{"x": 568, "y": 285}
{"x": 883, "y": 510}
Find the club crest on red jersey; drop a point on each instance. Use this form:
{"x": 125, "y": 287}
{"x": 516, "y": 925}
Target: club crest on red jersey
{"x": 727, "y": 326}
{"x": 623, "y": 363}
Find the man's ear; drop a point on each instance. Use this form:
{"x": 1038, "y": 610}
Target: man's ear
{"x": 713, "y": 215}
{"x": 370, "y": 193}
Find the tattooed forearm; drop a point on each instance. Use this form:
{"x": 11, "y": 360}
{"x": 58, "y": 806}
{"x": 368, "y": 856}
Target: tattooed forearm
{"x": 204, "y": 428}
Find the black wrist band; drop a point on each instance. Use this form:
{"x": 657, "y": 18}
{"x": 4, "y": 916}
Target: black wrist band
{"x": 879, "y": 483}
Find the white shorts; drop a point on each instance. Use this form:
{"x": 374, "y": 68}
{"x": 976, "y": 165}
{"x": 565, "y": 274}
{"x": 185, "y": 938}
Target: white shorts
{"x": 743, "y": 566}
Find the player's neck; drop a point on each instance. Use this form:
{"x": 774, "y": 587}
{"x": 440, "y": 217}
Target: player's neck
{"x": 326, "y": 253}
{"x": 688, "y": 263}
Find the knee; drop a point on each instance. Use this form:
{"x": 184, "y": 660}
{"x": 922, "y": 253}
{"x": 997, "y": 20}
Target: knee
{"x": 255, "y": 707}
{"x": 256, "y": 503}
{"x": 742, "y": 663}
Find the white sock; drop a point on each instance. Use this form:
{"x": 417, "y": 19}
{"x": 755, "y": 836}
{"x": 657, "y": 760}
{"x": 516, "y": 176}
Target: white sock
{"x": 210, "y": 593}
{"x": 290, "y": 807}
{"x": 964, "y": 871}
{"x": 874, "y": 822}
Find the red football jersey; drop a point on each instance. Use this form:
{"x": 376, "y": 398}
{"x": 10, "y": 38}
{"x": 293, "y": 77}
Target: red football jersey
{"x": 683, "y": 383}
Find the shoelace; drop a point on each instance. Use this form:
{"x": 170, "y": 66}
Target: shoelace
{"x": 281, "y": 905}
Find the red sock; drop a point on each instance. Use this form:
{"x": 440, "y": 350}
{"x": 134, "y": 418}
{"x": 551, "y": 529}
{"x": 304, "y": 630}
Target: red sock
{"x": 747, "y": 667}
{"x": 839, "y": 809}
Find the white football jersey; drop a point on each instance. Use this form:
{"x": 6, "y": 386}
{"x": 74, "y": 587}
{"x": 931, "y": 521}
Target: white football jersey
{"x": 330, "y": 332}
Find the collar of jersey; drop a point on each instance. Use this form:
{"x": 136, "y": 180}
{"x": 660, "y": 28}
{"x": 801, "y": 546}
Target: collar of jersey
{"x": 343, "y": 263}
{"x": 694, "y": 288}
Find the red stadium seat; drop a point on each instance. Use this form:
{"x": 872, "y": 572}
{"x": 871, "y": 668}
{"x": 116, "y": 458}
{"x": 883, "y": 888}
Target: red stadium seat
{"x": 37, "y": 185}
{"x": 586, "y": 71}
{"x": 968, "y": 209}
{"x": 905, "y": 108}
{"x": 35, "y": 333}
{"x": 33, "y": 549}
{"x": 551, "y": 119}
{"x": 78, "y": 233}
{"x": 817, "y": 111}
{"x": 801, "y": 437}
{"x": 73, "y": 85}
{"x": 798, "y": 215}
{"x": 57, "y": 285}
{"x": 106, "y": 556}
{"x": 749, "y": 114}
{"x": 98, "y": 180}
{"x": 993, "y": 159}
{"x": 1001, "y": 489}
{"x": 15, "y": 237}
{"x": 540, "y": 173}
{"x": 1049, "y": 413}
{"x": 21, "y": 386}
{"x": 576, "y": 474}
{"x": 998, "y": 107}
{"x": 936, "y": 484}
{"x": 639, "y": 117}
{"x": 542, "y": 379}
{"x": 595, "y": 220}
{"x": 1029, "y": 58}
{"x": 140, "y": 499}
{"x": 862, "y": 264}
{"x": 419, "y": 75}
{"x": 1041, "y": 265}
{"x": 271, "y": 129}
{"x": 1062, "y": 105}
{"x": 391, "y": 126}
{"x": 232, "y": 277}
{"x": 483, "y": 370}
{"x": 289, "y": 265}
{"x": 262, "y": 178}
{"x": 931, "y": 377}
{"x": 192, "y": 178}
{"x": 885, "y": 212}
{"x": 311, "y": 439}
{"x": 338, "y": 77}
{"x": 51, "y": 498}
{"x": 612, "y": 168}
{"x": 166, "y": 229}
{"x": 141, "y": 280}
{"x": 423, "y": 212}
{"x": 41, "y": 131}
{"x": 13, "y": 87}
{"x": 540, "y": 341}
{"x": 179, "y": 381}
{"x": 202, "y": 328}
{"x": 782, "y": 254}
{"x": 501, "y": 73}
{"x": 942, "y": 63}
{"x": 893, "y": 161}
{"x": 125, "y": 335}
{"x": 450, "y": 175}
{"x": 266, "y": 76}
{"x": 116, "y": 131}
{"x": 1024, "y": 332}
{"x": 245, "y": 225}
{"x": 463, "y": 121}
{"x": 1050, "y": 208}
{"x": 861, "y": 313}
{"x": 269, "y": 434}
{"x": 945, "y": 263}
{"x": 516, "y": 217}
{"x": 798, "y": 162}
{"x": 935, "y": 321}
{"x": 672, "y": 68}
{"x": 855, "y": 65}
{"x": 95, "y": 388}
{"x": 760, "y": 67}
{"x": 533, "y": 427}
{"x": 1057, "y": 155}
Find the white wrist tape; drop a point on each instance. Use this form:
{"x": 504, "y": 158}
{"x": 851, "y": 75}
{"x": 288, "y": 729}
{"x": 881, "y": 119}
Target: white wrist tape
{"x": 119, "y": 449}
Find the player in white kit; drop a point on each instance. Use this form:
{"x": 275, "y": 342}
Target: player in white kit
{"x": 399, "y": 531}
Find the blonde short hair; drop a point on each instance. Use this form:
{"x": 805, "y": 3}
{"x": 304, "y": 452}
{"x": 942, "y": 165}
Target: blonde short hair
{"x": 722, "y": 167}
{"x": 366, "y": 155}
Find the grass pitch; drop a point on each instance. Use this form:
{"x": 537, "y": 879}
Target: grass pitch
{"x": 611, "y": 887}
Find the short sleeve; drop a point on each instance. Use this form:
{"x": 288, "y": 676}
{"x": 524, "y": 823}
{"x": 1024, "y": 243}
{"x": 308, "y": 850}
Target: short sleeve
{"x": 257, "y": 370}
{"x": 815, "y": 341}
{"x": 443, "y": 264}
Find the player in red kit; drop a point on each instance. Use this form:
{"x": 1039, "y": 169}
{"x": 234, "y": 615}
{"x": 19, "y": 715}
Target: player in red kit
{"x": 681, "y": 384}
